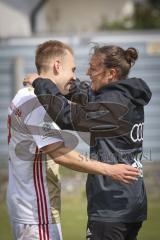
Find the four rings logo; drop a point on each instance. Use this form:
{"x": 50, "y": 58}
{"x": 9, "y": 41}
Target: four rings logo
{"x": 137, "y": 132}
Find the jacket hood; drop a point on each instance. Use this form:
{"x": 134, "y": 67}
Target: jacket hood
{"x": 135, "y": 89}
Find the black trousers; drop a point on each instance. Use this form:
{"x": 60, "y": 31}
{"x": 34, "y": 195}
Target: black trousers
{"x": 112, "y": 231}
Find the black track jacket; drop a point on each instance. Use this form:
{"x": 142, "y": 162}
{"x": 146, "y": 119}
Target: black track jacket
{"x": 114, "y": 116}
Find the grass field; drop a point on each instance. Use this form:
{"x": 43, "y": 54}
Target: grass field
{"x": 74, "y": 219}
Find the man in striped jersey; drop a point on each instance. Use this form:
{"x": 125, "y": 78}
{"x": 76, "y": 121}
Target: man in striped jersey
{"x": 33, "y": 135}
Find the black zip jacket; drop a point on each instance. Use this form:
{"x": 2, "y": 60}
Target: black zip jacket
{"x": 114, "y": 116}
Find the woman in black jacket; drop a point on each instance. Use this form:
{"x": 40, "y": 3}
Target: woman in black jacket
{"x": 112, "y": 110}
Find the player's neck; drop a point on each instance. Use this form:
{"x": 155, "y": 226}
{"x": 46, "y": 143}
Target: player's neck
{"x": 48, "y": 76}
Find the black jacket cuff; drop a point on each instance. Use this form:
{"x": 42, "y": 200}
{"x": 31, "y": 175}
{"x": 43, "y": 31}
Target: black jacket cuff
{"x": 44, "y": 86}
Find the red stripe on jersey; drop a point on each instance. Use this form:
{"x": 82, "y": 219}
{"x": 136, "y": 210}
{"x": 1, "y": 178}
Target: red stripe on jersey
{"x": 9, "y": 128}
{"x": 36, "y": 188}
{"x": 41, "y": 197}
{"x": 39, "y": 188}
{"x": 44, "y": 233}
{"x": 39, "y": 177}
{"x": 40, "y": 234}
{"x": 45, "y": 201}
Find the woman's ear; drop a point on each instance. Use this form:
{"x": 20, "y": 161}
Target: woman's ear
{"x": 113, "y": 74}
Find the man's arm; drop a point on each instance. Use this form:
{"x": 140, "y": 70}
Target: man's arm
{"x": 78, "y": 162}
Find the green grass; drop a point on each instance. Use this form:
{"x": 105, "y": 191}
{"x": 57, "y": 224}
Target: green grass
{"x": 151, "y": 227}
{"x": 74, "y": 219}
{"x": 5, "y": 231}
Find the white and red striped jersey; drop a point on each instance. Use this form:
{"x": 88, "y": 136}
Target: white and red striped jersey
{"x": 30, "y": 195}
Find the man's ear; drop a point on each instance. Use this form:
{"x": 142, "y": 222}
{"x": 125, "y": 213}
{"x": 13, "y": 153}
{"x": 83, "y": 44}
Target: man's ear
{"x": 56, "y": 67}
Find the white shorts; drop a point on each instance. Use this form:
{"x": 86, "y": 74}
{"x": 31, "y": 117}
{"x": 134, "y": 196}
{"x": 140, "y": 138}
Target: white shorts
{"x": 36, "y": 232}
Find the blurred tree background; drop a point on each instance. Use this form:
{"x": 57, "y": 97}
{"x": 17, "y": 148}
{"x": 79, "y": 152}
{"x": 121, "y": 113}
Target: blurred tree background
{"x": 146, "y": 16}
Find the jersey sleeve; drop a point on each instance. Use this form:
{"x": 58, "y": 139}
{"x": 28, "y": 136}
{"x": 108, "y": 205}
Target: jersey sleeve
{"x": 42, "y": 128}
